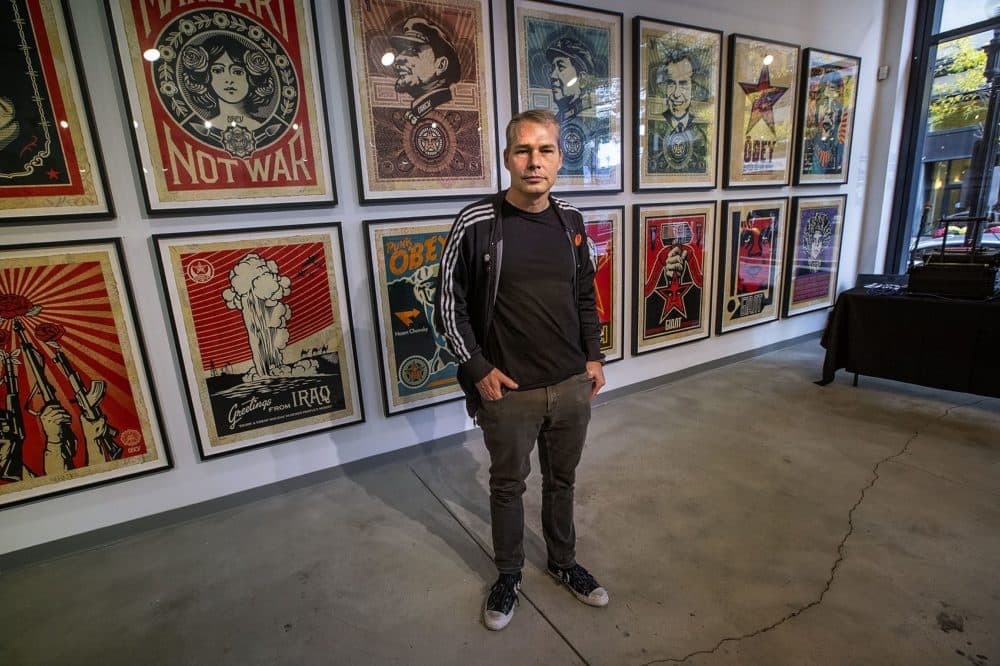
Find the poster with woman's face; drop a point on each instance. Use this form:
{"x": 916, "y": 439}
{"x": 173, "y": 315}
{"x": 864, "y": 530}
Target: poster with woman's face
{"x": 49, "y": 161}
{"x": 751, "y": 250}
{"x": 226, "y": 102}
{"x": 76, "y": 404}
{"x": 263, "y": 328}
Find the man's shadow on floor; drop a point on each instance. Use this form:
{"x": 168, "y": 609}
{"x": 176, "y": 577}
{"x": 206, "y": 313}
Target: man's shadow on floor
{"x": 456, "y": 483}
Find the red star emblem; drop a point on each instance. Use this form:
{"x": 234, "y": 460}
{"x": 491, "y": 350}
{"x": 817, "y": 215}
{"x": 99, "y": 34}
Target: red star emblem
{"x": 766, "y": 97}
{"x": 673, "y": 298}
{"x": 52, "y": 174}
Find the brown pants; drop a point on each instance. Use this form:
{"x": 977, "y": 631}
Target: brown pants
{"x": 557, "y": 416}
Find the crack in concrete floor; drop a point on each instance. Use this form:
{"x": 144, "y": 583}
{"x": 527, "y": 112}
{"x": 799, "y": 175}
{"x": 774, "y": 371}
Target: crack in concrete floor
{"x": 833, "y": 569}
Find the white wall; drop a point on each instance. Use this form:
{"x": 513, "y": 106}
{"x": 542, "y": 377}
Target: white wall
{"x": 848, "y": 26}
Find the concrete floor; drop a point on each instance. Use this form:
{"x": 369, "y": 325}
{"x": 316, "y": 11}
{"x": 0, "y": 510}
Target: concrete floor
{"x": 739, "y": 516}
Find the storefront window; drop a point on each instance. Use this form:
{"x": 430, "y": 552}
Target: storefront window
{"x": 952, "y": 160}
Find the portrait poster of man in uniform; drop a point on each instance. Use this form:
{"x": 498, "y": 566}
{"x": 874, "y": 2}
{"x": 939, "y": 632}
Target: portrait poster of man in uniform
{"x": 604, "y": 238}
{"x": 763, "y": 80}
{"x": 677, "y": 105}
{"x": 753, "y": 246}
{"x": 417, "y": 367}
{"x": 422, "y": 97}
{"x": 815, "y": 253}
{"x": 830, "y": 92}
{"x": 262, "y": 325}
{"x": 76, "y": 404}
{"x": 49, "y": 161}
{"x": 674, "y": 248}
{"x": 227, "y": 103}
{"x": 569, "y": 62}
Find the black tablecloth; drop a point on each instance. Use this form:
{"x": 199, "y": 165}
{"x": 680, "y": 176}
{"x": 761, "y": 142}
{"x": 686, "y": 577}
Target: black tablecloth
{"x": 944, "y": 343}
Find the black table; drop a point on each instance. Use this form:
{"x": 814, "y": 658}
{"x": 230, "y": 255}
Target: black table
{"x": 939, "y": 342}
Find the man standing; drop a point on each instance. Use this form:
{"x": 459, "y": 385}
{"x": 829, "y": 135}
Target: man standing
{"x": 516, "y": 305}
{"x": 426, "y": 66}
{"x": 679, "y": 144}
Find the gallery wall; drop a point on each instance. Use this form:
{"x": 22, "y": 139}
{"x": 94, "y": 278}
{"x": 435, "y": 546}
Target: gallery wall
{"x": 854, "y": 27}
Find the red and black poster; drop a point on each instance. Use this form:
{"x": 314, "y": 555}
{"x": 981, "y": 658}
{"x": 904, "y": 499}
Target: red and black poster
{"x": 226, "y": 102}
{"x": 49, "y": 161}
{"x": 77, "y": 405}
{"x": 263, "y": 329}
{"x": 674, "y": 248}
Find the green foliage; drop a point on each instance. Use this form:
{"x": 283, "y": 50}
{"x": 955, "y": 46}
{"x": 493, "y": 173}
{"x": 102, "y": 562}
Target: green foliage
{"x": 958, "y": 96}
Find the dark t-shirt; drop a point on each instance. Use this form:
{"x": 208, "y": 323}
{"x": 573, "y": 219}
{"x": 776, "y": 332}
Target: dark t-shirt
{"x": 535, "y": 337}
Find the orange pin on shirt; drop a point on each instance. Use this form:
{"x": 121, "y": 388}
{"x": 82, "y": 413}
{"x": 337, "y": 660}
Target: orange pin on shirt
{"x": 577, "y": 240}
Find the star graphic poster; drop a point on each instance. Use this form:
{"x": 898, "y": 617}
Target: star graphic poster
{"x": 422, "y": 97}
{"x": 226, "y": 103}
{"x": 604, "y": 239}
{"x": 673, "y": 249}
{"x": 77, "y": 406}
{"x": 50, "y": 165}
{"x": 263, "y": 330}
{"x": 751, "y": 249}
{"x": 416, "y": 366}
{"x": 761, "y": 105}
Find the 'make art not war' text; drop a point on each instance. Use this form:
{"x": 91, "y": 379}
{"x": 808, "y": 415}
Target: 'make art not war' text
{"x": 190, "y": 165}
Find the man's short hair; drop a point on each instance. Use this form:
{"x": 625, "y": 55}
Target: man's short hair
{"x": 418, "y": 30}
{"x": 538, "y": 116}
{"x": 575, "y": 50}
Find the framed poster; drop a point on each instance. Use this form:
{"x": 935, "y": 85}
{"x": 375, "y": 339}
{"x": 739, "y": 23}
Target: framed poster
{"x": 826, "y": 117}
{"x": 677, "y": 80}
{"x": 569, "y": 62}
{"x": 226, "y": 102}
{"x": 673, "y": 250}
{"x": 78, "y": 405}
{"x": 750, "y": 250}
{"x": 604, "y": 238}
{"x": 263, "y": 330}
{"x": 421, "y": 74}
{"x": 760, "y": 111}
{"x": 813, "y": 255}
{"x": 50, "y": 163}
{"x": 416, "y": 366}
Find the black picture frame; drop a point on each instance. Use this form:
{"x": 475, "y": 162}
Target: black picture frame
{"x": 289, "y": 151}
{"x": 64, "y": 106}
{"x": 614, "y": 348}
{"x": 823, "y": 71}
{"x": 744, "y": 51}
{"x": 408, "y": 377}
{"x": 678, "y": 173}
{"x": 428, "y": 139}
{"x": 72, "y": 355}
{"x": 812, "y": 252}
{"x": 745, "y": 296}
{"x": 213, "y": 353}
{"x": 577, "y": 34}
{"x": 652, "y": 283}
